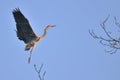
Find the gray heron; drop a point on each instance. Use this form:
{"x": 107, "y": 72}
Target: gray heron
{"x": 26, "y": 33}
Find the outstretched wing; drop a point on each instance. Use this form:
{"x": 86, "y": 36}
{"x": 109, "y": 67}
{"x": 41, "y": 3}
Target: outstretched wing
{"x": 24, "y": 30}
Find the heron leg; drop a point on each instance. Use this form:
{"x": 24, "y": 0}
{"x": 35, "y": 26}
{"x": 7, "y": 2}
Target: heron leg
{"x": 31, "y": 53}
{"x": 30, "y": 56}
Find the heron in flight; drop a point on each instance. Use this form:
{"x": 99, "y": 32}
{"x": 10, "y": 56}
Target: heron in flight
{"x": 25, "y": 32}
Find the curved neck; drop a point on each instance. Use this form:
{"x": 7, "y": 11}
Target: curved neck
{"x": 45, "y": 32}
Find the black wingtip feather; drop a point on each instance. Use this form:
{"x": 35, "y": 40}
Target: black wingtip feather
{"x": 16, "y": 10}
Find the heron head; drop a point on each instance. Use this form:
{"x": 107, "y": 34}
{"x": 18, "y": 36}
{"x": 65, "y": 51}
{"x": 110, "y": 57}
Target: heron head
{"x": 49, "y": 26}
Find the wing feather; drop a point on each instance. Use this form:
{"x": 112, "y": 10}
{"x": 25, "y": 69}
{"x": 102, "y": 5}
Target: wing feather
{"x": 24, "y": 30}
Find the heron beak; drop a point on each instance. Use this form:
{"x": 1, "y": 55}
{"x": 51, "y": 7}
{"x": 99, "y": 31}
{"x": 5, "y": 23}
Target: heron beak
{"x": 54, "y": 26}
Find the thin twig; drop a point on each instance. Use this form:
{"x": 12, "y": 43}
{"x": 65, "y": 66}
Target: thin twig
{"x": 41, "y": 77}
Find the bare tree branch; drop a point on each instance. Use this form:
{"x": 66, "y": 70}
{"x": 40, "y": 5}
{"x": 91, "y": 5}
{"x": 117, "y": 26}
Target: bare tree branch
{"x": 111, "y": 42}
{"x": 117, "y": 24}
{"x": 41, "y": 77}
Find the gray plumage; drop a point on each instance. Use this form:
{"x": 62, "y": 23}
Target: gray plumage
{"x": 25, "y": 32}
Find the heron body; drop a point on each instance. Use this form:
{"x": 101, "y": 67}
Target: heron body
{"x": 26, "y": 33}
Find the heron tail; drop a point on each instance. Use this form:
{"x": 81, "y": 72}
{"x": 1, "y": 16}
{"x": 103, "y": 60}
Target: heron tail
{"x": 28, "y": 46}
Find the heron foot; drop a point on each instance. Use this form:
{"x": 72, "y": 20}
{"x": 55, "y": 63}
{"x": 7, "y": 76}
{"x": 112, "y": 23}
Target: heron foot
{"x": 29, "y": 60}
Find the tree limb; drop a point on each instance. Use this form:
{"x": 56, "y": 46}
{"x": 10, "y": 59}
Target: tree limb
{"x": 111, "y": 42}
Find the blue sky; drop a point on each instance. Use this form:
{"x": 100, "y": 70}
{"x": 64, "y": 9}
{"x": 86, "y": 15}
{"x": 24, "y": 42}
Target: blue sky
{"x": 68, "y": 52}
